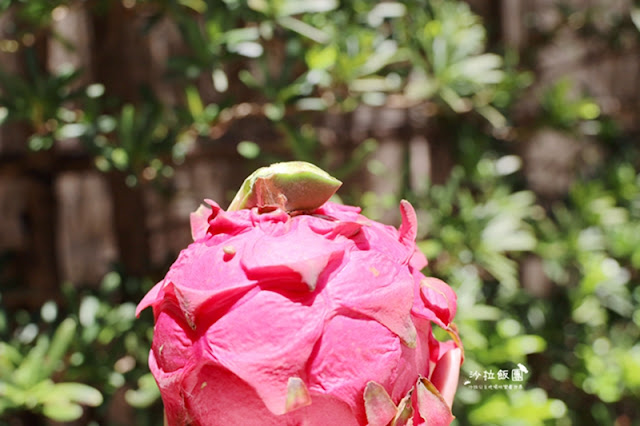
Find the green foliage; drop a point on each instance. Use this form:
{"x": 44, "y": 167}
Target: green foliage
{"x": 580, "y": 340}
{"x": 80, "y": 353}
{"x": 292, "y": 63}
{"x": 565, "y": 109}
{"x": 139, "y": 141}
{"x": 478, "y": 229}
{"x": 448, "y": 58}
{"x": 592, "y": 251}
{"x": 325, "y": 56}
{"x": 26, "y": 376}
{"x": 522, "y": 408}
{"x": 37, "y": 99}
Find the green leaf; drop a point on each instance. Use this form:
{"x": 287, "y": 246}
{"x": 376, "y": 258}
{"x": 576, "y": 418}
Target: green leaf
{"x": 297, "y": 7}
{"x": 194, "y": 103}
{"x": 30, "y": 370}
{"x": 481, "y": 69}
{"x": 9, "y": 358}
{"x": 455, "y": 102}
{"x": 383, "y": 55}
{"x": 480, "y": 312}
{"x": 241, "y": 35}
{"x": 504, "y": 233}
{"x": 420, "y": 86}
{"x": 77, "y": 393}
{"x": 62, "y": 411}
{"x": 321, "y": 57}
{"x": 525, "y": 345}
{"x": 493, "y": 116}
{"x": 12, "y": 396}
{"x": 39, "y": 393}
{"x": 60, "y": 342}
{"x": 385, "y": 10}
{"x": 248, "y": 79}
{"x": 198, "y": 6}
{"x": 304, "y": 29}
{"x": 146, "y": 394}
{"x": 259, "y": 5}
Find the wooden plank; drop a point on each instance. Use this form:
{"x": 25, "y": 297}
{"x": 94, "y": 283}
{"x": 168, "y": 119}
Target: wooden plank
{"x": 86, "y": 242}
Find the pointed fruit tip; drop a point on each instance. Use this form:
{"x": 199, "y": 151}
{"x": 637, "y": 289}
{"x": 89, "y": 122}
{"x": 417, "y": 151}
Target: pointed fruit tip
{"x": 292, "y": 186}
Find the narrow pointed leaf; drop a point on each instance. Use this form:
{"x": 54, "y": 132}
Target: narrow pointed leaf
{"x": 59, "y": 345}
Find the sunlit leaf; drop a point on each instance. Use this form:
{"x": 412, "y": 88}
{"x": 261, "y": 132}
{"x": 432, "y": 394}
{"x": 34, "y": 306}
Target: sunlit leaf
{"x": 64, "y": 335}
{"x": 62, "y": 411}
{"x": 296, "y": 7}
{"x": 146, "y": 394}
{"x": 303, "y": 28}
{"x": 77, "y": 393}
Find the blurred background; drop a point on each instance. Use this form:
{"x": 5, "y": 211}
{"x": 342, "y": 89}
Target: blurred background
{"x": 511, "y": 125}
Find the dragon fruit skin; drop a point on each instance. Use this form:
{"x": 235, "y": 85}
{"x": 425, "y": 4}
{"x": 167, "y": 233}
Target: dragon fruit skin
{"x": 311, "y": 319}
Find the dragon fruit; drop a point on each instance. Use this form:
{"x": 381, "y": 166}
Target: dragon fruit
{"x": 288, "y": 309}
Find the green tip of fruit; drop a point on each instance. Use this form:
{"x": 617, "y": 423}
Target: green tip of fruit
{"x": 294, "y": 186}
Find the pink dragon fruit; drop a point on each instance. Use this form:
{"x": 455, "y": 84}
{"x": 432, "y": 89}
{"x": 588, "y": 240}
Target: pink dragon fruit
{"x": 288, "y": 309}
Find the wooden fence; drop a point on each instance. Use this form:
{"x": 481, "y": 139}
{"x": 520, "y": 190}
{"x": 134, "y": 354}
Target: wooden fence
{"x": 64, "y": 221}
